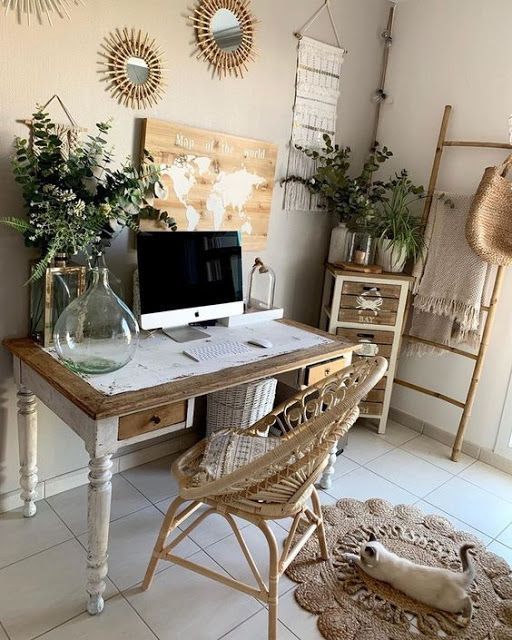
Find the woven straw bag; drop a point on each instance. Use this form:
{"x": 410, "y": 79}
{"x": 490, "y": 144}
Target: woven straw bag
{"x": 489, "y": 224}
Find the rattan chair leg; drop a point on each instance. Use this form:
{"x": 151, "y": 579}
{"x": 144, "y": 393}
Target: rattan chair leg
{"x": 320, "y": 529}
{"x": 273, "y": 579}
{"x": 167, "y": 526}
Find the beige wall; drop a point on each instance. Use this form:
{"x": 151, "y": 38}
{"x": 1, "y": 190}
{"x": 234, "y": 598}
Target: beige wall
{"x": 40, "y": 61}
{"x": 453, "y": 52}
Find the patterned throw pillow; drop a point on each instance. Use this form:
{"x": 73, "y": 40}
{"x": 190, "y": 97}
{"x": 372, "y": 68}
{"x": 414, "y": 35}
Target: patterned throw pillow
{"x": 226, "y": 451}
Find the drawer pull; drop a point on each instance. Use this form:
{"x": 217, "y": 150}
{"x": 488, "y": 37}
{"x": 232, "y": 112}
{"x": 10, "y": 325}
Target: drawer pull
{"x": 376, "y": 289}
{"x": 368, "y": 336}
{"x": 327, "y": 371}
{"x": 155, "y": 420}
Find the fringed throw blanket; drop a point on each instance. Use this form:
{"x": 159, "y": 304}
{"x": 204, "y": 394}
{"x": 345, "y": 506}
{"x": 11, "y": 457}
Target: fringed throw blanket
{"x": 315, "y": 112}
{"x": 451, "y": 283}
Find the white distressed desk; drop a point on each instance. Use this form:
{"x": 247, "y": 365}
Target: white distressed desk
{"x": 144, "y": 400}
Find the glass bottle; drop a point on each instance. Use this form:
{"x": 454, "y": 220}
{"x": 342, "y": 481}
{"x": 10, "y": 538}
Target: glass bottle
{"x": 361, "y": 248}
{"x": 261, "y": 287}
{"x": 97, "y": 332}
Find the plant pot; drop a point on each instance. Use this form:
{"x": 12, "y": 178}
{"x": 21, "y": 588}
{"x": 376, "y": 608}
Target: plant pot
{"x": 392, "y": 259}
{"x": 338, "y": 246}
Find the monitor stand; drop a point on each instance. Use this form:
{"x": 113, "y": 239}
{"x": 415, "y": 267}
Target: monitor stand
{"x": 185, "y": 334}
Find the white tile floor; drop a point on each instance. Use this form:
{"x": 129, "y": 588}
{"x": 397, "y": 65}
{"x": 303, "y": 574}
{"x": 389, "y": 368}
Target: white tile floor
{"x": 42, "y": 561}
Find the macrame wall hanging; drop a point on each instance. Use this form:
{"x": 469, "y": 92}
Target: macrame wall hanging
{"x": 317, "y": 92}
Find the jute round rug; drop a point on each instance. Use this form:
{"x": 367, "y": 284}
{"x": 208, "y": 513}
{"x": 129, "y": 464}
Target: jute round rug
{"x": 353, "y": 606}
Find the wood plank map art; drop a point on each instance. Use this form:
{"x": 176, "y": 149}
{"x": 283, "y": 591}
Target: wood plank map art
{"x": 213, "y": 181}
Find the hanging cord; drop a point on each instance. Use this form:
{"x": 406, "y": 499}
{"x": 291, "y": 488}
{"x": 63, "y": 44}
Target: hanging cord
{"x": 326, "y": 5}
{"x": 380, "y": 95}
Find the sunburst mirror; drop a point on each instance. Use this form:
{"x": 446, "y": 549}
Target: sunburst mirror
{"x": 224, "y": 32}
{"x": 132, "y": 64}
{"x": 39, "y": 9}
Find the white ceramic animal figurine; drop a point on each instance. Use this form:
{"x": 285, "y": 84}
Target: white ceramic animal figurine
{"x": 437, "y": 588}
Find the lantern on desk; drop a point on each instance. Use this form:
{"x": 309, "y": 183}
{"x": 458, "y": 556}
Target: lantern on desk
{"x": 61, "y": 283}
{"x": 262, "y": 287}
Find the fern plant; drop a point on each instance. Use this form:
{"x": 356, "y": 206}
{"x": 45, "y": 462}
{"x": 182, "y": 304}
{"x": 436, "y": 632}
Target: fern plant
{"x": 76, "y": 201}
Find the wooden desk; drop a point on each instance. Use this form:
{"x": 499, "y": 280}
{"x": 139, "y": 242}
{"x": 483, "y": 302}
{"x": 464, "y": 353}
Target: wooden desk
{"x": 107, "y": 423}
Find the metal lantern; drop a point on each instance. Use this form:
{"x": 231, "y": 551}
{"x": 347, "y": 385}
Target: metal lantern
{"x": 61, "y": 283}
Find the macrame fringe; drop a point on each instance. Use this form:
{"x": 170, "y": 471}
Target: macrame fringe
{"x": 466, "y": 315}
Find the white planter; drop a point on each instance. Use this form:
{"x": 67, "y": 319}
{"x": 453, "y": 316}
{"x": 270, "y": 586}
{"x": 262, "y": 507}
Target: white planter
{"x": 338, "y": 246}
{"x": 390, "y": 259}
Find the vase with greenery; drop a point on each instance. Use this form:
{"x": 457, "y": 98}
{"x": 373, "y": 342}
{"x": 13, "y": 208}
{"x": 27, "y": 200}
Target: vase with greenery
{"x": 399, "y": 229}
{"x": 76, "y": 202}
{"x": 352, "y": 199}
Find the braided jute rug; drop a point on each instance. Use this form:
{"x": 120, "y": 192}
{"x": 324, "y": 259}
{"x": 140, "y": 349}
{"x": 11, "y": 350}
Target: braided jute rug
{"x": 353, "y": 606}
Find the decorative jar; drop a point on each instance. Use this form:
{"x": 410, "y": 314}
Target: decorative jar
{"x": 361, "y": 247}
{"x": 97, "y": 332}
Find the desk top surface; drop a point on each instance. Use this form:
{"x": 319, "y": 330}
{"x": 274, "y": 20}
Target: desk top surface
{"x": 98, "y": 404}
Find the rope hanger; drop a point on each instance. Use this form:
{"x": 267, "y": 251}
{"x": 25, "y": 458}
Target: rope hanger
{"x": 326, "y": 5}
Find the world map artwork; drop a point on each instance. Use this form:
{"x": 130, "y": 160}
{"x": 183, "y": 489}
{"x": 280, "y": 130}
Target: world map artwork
{"x": 214, "y": 181}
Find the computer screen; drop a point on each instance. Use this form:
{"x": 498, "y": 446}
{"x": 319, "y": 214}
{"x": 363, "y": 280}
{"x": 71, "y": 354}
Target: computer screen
{"x": 189, "y": 271}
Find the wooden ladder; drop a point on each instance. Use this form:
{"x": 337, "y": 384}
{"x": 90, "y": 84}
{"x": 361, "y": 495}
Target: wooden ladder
{"x": 467, "y": 405}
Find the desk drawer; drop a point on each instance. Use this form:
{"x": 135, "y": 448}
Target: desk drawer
{"x": 371, "y": 289}
{"x": 373, "y": 343}
{"x": 142, "y": 422}
{"x": 367, "y": 316}
{"x": 318, "y": 372}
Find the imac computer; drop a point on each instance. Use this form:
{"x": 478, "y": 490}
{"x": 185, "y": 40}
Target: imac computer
{"x": 188, "y": 277}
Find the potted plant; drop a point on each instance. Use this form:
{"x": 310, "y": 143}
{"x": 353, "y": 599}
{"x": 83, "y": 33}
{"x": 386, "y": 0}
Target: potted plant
{"x": 400, "y": 232}
{"x": 75, "y": 202}
{"x": 352, "y": 199}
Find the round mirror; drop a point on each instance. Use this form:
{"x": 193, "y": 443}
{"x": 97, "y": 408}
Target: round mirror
{"x": 226, "y": 30}
{"x": 137, "y": 70}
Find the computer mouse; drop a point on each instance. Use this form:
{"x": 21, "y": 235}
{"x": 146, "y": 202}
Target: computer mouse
{"x": 261, "y": 342}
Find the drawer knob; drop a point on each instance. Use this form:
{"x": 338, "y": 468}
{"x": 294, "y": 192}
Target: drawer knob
{"x": 156, "y": 420}
{"x": 327, "y": 371}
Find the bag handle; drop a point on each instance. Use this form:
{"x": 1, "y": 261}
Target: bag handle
{"x": 505, "y": 167}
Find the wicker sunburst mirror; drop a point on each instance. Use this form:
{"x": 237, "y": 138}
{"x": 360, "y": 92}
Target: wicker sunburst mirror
{"x": 132, "y": 64}
{"x": 39, "y": 9}
{"x": 225, "y": 35}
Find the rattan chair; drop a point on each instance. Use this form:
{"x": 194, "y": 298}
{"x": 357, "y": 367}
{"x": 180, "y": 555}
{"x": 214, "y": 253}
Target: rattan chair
{"x": 276, "y": 485}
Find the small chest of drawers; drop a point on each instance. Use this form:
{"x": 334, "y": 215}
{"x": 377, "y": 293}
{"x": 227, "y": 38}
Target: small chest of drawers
{"x": 368, "y": 309}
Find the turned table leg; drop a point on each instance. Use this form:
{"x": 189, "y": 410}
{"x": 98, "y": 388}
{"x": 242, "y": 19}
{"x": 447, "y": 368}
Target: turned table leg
{"x": 98, "y": 516}
{"x": 326, "y": 479}
{"x": 27, "y": 440}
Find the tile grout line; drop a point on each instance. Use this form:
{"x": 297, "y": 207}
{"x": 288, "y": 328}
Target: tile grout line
{"x": 137, "y": 613}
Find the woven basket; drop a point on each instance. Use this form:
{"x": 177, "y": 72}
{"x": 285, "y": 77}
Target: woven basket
{"x": 240, "y": 407}
{"x": 489, "y": 225}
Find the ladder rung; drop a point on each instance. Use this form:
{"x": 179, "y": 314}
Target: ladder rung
{"x": 445, "y": 347}
{"x": 429, "y": 392}
{"x": 482, "y": 145}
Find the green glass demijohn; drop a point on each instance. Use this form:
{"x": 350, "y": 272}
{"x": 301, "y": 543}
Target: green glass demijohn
{"x": 97, "y": 333}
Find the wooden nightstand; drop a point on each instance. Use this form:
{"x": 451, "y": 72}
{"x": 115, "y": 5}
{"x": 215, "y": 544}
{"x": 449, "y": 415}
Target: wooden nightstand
{"x": 368, "y": 309}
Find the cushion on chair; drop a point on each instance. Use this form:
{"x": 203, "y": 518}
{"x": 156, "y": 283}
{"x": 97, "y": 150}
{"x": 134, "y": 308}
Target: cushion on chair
{"x": 226, "y": 452}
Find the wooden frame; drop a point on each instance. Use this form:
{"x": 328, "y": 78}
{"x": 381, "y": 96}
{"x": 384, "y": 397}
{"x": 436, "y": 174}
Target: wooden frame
{"x": 117, "y": 49}
{"x": 41, "y": 8}
{"x": 467, "y": 404}
{"x": 225, "y": 63}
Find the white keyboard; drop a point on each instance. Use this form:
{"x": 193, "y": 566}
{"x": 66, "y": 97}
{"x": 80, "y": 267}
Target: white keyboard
{"x": 211, "y": 350}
